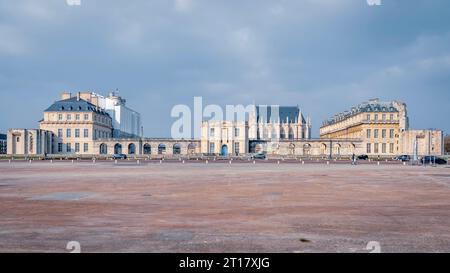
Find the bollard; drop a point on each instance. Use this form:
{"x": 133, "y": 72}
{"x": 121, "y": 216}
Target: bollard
{"x": 183, "y": 161}
{"x": 378, "y": 163}
{"x": 404, "y": 163}
{"x": 254, "y": 162}
{"x": 328, "y": 162}
{"x": 30, "y": 161}
{"x": 206, "y": 162}
{"x": 303, "y": 162}
{"x": 230, "y": 162}
{"x": 160, "y": 161}
{"x": 138, "y": 162}
{"x": 72, "y": 161}
{"x": 278, "y": 162}
{"x": 115, "y": 161}
{"x": 51, "y": 161}
{"x": 10, "y": 161}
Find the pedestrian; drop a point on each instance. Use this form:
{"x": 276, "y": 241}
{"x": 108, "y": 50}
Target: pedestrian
{"x": 353, "y": 159}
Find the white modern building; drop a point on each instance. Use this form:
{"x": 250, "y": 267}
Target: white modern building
{"x": 125, "y": 121}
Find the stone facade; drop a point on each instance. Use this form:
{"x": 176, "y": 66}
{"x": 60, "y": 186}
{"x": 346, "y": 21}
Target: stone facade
{"x": 75, "y": 124}
{"x": 278, "y": 122}
{"x": 146, "y": 146}
{"x": 29, "y": 142}
{"x": 383, "y": 128}
{"x": 224, "y": 137}
{"x": 428, "y": 142}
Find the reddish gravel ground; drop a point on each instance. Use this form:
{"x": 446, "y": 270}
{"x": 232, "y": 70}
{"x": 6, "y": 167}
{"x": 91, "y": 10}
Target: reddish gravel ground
{"x": 242, "y": 207}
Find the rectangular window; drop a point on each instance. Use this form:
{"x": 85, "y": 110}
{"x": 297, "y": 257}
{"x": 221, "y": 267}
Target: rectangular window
{"x": 383, "y": 117}
{"x": 69, "y": 117}
{"x": 391, "y": 117}
{"x": 236, "y": 148}
{"x": 369, "y": 133}
{"x": 95, "y": 134}
{"x": 369, "y": 148}
{"x": 77, "y": 147}
{"x": 211, "y": 148}
{"x": 236, "y": 132}
{"x": 368, "y": 117}
{"x": 391, "y": 133}
{"x": 376, "y": 148}
{"x": 77, "y": 117}
{"x": 391, "y": 148}
{"x": 60, "y": 133}
{"x": 376, "y": 117}
{"x": 211, "y": 132}
{"x": 86, "y": 147}
{"x": 383, "y": 148}
{"x": 60, "y": 147}
{"x": 68, "y": 147}
{"x": 375, "y": 133}
{"x": 60, "y": 116}
{"x": 68, "y": 133}
{"x": 77, "y": 132}
{"x": 383, "y": 133}
{"x": 86, "y": 133}
{"x": 86, "y": 116}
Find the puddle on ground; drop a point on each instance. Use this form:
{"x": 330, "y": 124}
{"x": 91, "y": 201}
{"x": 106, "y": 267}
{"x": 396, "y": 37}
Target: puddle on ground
{"x": 62, "y": 196}
{"x": 175, "y": 236}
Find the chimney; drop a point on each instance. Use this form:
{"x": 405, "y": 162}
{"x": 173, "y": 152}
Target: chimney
{"x": 78, "y": 96}
{"x": 66, "y": 95}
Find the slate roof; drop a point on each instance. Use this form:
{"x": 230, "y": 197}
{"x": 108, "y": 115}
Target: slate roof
{"x": 74, "y": 105}
{"x": 284, "y": 112}
{"x": 371, "y": 106}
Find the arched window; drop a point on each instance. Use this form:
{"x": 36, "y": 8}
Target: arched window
{"x": 147, "y": 149}
{"x": 292, "y": 149}
{"x": 103, "y": 149}
{"x": 176, "y": 149}
{"x": 307, "y": 149}
{"x": 291, "y": 133}
{"x": 131, "y": 149}
{"x": 323, "y": 149}
{"x": 282, "y": 133}
{"x": 161, "y": 149}
{"x": 191, "y": 148}
{"x": 117, "y": 148}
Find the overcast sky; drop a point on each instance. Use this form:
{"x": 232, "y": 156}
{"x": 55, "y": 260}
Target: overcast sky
{"x": 323, "y": 55}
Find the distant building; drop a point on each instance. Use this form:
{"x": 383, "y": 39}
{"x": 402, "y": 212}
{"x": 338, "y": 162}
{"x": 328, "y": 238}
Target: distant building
{"x": 29, "y": 142}
{"x": 3, "y": 144}
{"x": 265, "y": 128}
{"x": 89, "y": 124}
{"x": 125, "y": 121}
{"x": 75, "y": 123}
{"x": 383, "y": 128}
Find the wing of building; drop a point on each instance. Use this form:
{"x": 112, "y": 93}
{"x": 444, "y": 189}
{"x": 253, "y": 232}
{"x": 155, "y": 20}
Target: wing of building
{"x": 383, "y": 127}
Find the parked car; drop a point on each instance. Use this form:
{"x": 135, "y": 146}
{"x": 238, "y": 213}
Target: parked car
{"x": 433, "y": 160}
{"x": 119, "y": 156}
{"x": 363, "y": 157}
{"x": 403, "y": 158}
{"x": 259, "y": 156}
